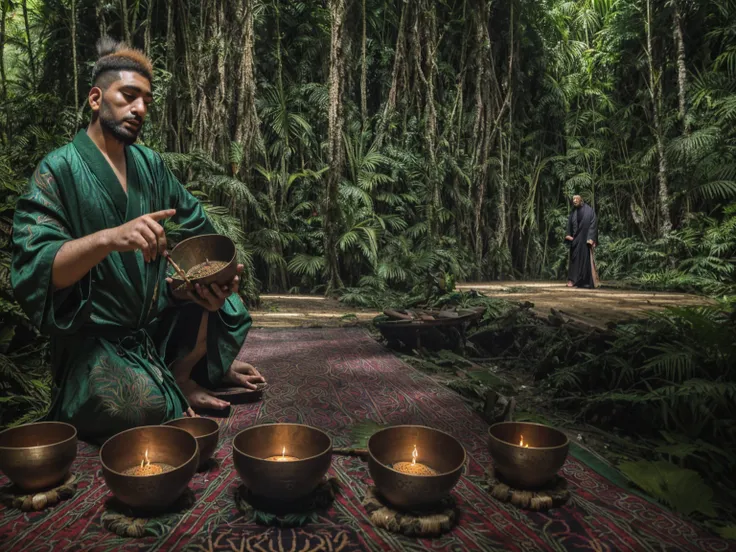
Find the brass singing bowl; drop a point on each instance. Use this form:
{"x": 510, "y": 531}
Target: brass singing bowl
{"x": 532, "y": 467}
{"x": 165, "y": 444}
{"x": 436, "y": 450}
{"x": 38, "y": 456}
{"x": 198, "y": 249}
{"x": 205, "y": 430}
{"x": 282, "y": 481}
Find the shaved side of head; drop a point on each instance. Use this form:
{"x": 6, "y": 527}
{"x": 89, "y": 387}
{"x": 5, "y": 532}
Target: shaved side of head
{"x": 115, "y": 57}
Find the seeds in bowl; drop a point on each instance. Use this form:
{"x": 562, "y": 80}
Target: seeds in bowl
{"x": 149, "y": 469}
{"x": 207, "y": 268}
{"x": 414, "y": 469}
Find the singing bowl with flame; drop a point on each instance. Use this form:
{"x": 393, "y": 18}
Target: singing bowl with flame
{"x": 38, "y": 456}
{"x": 282, "y": 481}
{"x": 532, "y": 467}
{"x": 165, "y": 444}
{"x": 436, "y": 449}
{"x": 198, "y": 249}
{"x": 205, "y": 430}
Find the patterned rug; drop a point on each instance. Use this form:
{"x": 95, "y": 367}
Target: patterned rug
{"x": 334, "y": 378}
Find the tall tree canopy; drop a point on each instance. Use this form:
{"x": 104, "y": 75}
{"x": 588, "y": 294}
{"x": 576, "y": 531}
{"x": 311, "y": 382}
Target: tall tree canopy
{"x": 368, "y": 144}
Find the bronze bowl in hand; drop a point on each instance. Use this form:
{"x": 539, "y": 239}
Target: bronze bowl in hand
{"x": 527, "y": 467}
{"x": 282, "y": 462}
{"x": 38, "y": 456}
{"x": 406, "y": 486}
{"x": 193, "y": 254}
{"x": 205, "y": 430}
{"x": 171, "y": 447}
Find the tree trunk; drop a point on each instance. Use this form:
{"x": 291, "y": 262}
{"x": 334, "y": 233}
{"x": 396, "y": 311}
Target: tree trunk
{"x": 681, "y": 67}
{"x": 204, "y": 61}
{"x": 364, "y": 75}
{"x": 74, "y": 60}
{"x": 101, "y": 21}
{"x": 149, "y": 25}
{"x": 29, "y": 44}
{"x": 335, "y": 153}
{"x": 431, "y": 44}
{"x": 246, "y": 129}
{"x": 655, "y": 91}
{"x": 424, "y": 46}
{"x": 124, "y": 17}
{"x": 482, "y": 128}
{"x": 283, "y": 169}
{"x": 3, "y": 77}
{"x": 218, "y": 125}
{"x": 489, "y": 111}
{"x": 501, "y": 238}
{"x": 399, "y": 60}
{"x": 166, "y": 108}
{"x": 134, "y": 23}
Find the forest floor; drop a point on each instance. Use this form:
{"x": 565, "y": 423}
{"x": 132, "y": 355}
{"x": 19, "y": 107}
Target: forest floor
{"x": 517, "y": 349}
{"x": 595, "y": 308}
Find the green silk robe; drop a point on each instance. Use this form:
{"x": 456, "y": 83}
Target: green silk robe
{"x": 115, "y": 332}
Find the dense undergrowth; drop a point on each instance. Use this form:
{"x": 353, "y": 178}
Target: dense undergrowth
{"x": 659, "y": 393}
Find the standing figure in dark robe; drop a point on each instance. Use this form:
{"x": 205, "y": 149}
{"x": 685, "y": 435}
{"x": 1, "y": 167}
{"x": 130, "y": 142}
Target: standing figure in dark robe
{"x": 582, "y": 236}
{"x": 88, "y": 270}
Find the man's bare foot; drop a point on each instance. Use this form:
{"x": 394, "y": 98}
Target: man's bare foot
{"x": 198, "y": 397}
{"x": 570, "y": 283}
{"x": 243, "y": 374}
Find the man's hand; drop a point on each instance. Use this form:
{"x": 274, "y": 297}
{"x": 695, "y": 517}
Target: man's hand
{"x": 144, "y": 233}
{"x": 215, "y": 299}
{"x": 77, "y": 257}
{"x": 244, "y": 375}
{"x": 591, "y": 243}
{"x": 569, "y": 238}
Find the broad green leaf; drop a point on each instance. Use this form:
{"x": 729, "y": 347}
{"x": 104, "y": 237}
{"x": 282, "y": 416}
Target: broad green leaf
{"x": 680, "y": 488}
{"x": 360, "y": 433}
{"x": 727, "y": 532}
{"x": 6, "y": 336}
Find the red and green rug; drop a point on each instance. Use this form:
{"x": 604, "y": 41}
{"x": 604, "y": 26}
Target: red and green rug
{"x": 333, "y": 379}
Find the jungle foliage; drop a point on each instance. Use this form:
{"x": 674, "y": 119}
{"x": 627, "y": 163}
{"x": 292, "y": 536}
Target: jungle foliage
{"x": 658, "y": 394}
{"x": 413, "y": 138}
{"x": 373, "y": 148}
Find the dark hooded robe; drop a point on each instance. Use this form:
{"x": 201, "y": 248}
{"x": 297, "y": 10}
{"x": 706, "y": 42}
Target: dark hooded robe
{"x": 114, "y": 333}
{"x": 582, "y": 226}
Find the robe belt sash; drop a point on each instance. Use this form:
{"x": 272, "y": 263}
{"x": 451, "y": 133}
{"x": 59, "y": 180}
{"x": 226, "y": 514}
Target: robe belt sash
{"x": 139, "y": 349}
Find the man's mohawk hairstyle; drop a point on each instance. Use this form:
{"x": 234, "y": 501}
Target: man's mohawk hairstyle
{"x": 118, "y": 56}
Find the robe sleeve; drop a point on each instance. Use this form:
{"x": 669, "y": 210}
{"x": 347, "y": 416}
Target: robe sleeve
{"x": 593, "y": 227}
{"x": 569, "y": 231}
{"x": 228, "y": 327}
{"x": 40, "y": 228}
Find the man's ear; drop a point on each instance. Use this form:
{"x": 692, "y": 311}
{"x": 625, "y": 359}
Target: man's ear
{"x": 95, "y": 98}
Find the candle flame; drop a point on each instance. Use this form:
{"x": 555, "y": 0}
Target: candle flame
{"x": 414, "y": 455}
{"x": 145, "y": 461}
{"x": 283, "y": 452}
{"x": 521, "y": 443}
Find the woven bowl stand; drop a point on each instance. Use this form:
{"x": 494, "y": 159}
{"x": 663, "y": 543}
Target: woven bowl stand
{"x": 430, "y": 522}
{"x": 12, "y": 497}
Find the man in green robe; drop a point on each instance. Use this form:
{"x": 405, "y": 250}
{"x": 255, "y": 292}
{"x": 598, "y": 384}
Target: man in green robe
{"x": 87, "y": 268}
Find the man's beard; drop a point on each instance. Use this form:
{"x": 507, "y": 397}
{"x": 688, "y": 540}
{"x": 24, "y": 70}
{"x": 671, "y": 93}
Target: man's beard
{"x": 117, "y": 127}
